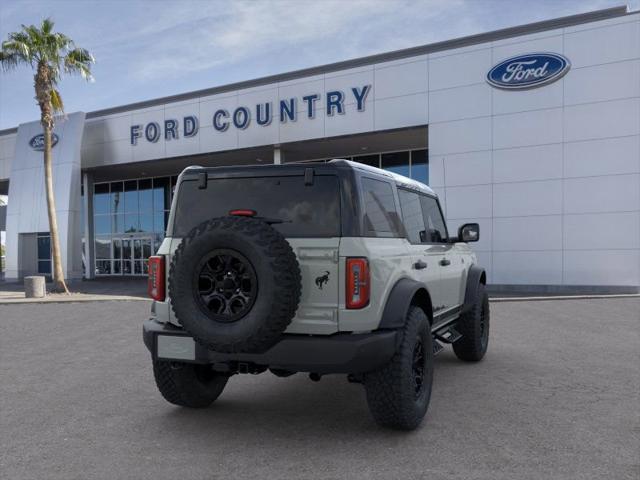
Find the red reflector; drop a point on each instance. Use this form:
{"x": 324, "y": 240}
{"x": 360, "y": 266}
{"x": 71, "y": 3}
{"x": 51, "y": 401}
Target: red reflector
{"x": 358, "y": 286}
{"x": 242, "y": 213}
{"x": 155, "y": 285}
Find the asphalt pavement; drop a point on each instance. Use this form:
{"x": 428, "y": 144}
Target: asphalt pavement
{"x": 557, "y": 397}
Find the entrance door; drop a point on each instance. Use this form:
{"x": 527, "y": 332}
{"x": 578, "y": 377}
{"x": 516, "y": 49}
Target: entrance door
{"x": 130, "y": 255}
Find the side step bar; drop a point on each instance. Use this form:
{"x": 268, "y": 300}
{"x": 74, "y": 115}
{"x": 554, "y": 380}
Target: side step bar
{"x": 448, "y": 334}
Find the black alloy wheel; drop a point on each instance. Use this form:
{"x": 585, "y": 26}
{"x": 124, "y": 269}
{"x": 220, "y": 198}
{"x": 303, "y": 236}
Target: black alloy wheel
{"x": 225, "y": 285}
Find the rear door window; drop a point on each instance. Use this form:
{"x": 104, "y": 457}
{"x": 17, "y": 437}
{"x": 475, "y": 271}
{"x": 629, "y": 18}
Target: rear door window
{"x": 412, "y": 216}
{"x": 380, "y": 214}
{"x": 304, "y": 210}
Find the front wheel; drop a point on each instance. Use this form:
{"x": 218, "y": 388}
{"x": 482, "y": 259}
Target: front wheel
{"x": 398, "y": 394}
{"x": 188, "y": 385}
{"x": 474, "y": 328}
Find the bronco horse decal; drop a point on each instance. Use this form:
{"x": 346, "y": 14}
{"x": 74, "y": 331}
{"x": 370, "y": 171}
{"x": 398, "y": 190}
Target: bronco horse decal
{"x": 322, "y": 280}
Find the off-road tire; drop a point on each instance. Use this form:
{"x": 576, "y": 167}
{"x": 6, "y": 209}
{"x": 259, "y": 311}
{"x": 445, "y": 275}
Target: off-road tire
{"x": 474, "y": 328}
{"x": 277, "y": 274}
{"x": 391, "y": 393}
{"x": 188, "y": 385}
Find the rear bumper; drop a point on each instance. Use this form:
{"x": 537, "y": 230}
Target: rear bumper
{"x": 339, "y": 353}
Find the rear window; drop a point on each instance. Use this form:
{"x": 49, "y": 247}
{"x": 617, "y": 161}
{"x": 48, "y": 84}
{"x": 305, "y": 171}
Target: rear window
{"x": 306, "y": 210}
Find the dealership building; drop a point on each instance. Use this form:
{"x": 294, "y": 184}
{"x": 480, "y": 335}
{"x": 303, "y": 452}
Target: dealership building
{"x": 531, "y": 131}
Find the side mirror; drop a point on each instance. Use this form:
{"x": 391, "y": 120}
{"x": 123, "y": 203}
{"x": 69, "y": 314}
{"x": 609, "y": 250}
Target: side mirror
{"x": 469, "y": 232}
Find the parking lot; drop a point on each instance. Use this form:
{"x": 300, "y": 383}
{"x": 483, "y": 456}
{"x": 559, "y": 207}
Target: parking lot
{"x": 558, "y": 396}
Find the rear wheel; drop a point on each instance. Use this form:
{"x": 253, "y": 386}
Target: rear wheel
{"x": 474, "y": 328}
{"x": 188, "y": 385}
{"x": 398, "y": 394}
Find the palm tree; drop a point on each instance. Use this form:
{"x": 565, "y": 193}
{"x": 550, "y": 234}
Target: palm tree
{"x": 49, "y": 54}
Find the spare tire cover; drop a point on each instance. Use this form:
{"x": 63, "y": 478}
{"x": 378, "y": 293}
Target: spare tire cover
{"x": 235, "y": 284}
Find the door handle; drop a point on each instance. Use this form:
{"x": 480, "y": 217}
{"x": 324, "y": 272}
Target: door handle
{"x": 419, "y": 265}
{"x": 444, "y": 262}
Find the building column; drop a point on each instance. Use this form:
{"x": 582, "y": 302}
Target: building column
{"x": 89, "y": 254}
{"x": 277, "y": 155}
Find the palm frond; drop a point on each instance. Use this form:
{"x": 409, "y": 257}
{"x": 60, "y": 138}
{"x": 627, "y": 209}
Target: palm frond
{"x": 9, "y": 61}
{"x": 56, "y": 101}
{"x": 47, "y": 26}
{"x": 79, "y": 61}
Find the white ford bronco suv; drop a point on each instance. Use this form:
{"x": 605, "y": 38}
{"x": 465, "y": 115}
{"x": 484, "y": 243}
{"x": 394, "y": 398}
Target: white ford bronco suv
{"x": 323, "y": 268}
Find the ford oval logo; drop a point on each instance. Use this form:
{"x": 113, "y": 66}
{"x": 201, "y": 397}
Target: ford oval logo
{"x": 37, "y": 142}
{"x": 528, "y": 71}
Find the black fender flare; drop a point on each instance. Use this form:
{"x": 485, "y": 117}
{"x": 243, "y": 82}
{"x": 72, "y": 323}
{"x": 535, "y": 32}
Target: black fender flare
{"x": 476, "y": 276}
{"x": 400, "y": 299}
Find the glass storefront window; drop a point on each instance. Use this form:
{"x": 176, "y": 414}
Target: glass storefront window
{"x": 145, "y": 195}
{"x": 161, "y": 197}
{"x": 44, "y": 253}
{"x": 397, "y": 162}
{"x": 102, "y": 224}
{"x": 146, "y": 222}
{"x": 101, "y": 198}
{"x": 129, "y": 223}
{"x": 420, "y": 166}
{"x": 372, "y": 160}
{"x": 131, "y": 203}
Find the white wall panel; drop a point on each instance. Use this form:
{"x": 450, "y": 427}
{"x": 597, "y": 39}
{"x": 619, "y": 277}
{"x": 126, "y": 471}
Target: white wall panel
{"x": 351, "y": 122}
{"x": 616, "y": 193}
{"x": 117, "y": 152}
{"x": 549, "y": 96}
{"x": 528, "y": 268}
{"x": 603, "y": 45}
{"x": 117, "y": 127}
{"x": 528, "y": 128}
{"x": 602, "y": 231}
{"x": 548, "y": 41}
{"x": 602, "y": 82}
{"x": 403, "y": 79}
{"x": 303, "y": 129}
{"x": 472, "y": 201}
{"x": 212, "y": 140}
{"x": 459, "y": 103}
{"x": 345, "y": 83}
{"x": 7, "y": 146}
{"x": 540, "y": 162}
{"x": 601, "y": 120}
{"x": 471, "y": 168}
{"x": 602, "y": 267}
{"x": 528, "y": 233}
{"x": 527, "y": 198}
{"x": 460, "y": 136}
{"x": 608, "y": 156}
{"x": 456, "y": 70}
{"x": 401, "y": 112}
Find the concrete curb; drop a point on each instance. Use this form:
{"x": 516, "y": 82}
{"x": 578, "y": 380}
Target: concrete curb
{"x": 114, "y": 298}
{"x": 72, "y": 299}
{"x": 561, "y": 297}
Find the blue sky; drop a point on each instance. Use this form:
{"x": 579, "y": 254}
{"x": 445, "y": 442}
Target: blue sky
{"x": 149, "y": 49}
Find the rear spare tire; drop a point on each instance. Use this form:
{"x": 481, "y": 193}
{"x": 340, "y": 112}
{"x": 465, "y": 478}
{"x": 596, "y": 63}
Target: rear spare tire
{"x": 235, "y": 284}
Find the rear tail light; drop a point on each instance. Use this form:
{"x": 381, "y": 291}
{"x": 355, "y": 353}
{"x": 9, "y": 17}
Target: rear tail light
{"x": 358, "y": 286}
{"x": 242, "y": 212}
{"x": 156, "y": 277}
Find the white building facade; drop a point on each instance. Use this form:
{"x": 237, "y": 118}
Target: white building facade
{"x": 532, "y": 131}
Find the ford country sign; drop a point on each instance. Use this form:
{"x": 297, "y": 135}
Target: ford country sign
{"x": 528, "y": 71}
{"x": 37, "y": 142}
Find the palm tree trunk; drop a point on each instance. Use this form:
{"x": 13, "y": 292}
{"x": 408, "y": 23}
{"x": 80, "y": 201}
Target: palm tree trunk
{"x": 59, "y": 284}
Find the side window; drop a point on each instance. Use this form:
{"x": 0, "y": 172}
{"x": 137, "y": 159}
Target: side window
{"x": 380, "y": 214}
{"x": 412, "y": 216}
{"x": 436, "y": 229}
